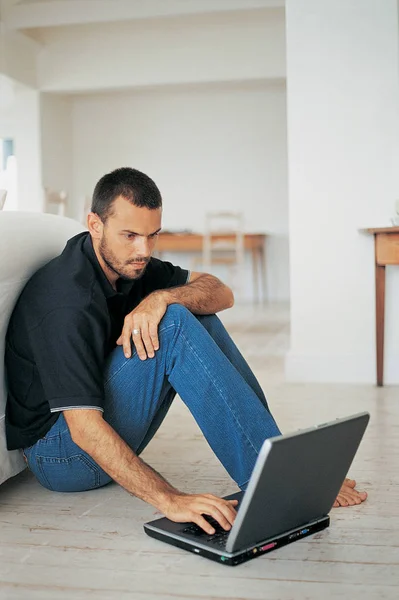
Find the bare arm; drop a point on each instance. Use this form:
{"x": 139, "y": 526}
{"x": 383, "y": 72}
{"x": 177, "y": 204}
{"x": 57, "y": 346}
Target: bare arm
{"x": 96, "y": 437}
{"x": 203, "y": 295}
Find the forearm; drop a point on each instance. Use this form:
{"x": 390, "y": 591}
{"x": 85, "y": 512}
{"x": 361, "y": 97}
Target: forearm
{"x": 115, "y": 457}
{"x": 204, "y": 296}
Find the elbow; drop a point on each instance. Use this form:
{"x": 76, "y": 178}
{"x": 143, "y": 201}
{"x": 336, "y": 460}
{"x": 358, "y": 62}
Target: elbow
{"x": 77, "y": 436}
{"x": 83, "y": 425}
{"x": 230, "y": 298}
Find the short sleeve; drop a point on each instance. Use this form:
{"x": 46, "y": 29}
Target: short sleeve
{"x": 68, "y": 350}
{"x": 161, "y": 275}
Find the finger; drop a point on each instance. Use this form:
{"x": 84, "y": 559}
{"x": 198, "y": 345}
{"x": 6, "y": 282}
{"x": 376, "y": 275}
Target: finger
{"x": 203, "y": 523}
{"x": 218, "y": 499}
{"x": 126, "y": 343}
{"x": 221, "y": 511}
{"x": 226, "y": 506}
{"x": 153, "y": 331}
{"x": 213, "y": 497}
{"x": 145, "y": 336}
{"x": 219, "y": 516}
{"x": 228, "y": 513}
{"x": 138, "y": 342}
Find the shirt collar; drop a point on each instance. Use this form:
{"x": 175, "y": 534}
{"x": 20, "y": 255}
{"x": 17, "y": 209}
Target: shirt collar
{"x": 123, "y": 285}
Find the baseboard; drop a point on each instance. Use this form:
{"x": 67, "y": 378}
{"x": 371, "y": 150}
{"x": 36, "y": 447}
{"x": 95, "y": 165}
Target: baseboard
{"x": 343, "y": 368}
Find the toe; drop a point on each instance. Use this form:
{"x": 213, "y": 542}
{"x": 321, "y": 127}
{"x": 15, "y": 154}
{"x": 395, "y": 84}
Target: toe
{"x": 350, "y": 482}
{"x": 351, "y": 499}
{"x": 341, "y": 500}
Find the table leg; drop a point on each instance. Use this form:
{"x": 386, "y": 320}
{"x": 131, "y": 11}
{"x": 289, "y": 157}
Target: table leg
{"x": 380, "y": 320}
{"x": 255, "y": 274}
{"x": 262, "y": 260}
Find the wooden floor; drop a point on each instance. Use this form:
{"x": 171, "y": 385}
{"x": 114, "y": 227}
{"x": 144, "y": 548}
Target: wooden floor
{"x": 92, "y": 545}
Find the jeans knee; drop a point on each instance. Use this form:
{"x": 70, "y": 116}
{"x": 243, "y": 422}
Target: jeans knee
{"x": 176, "y": 313}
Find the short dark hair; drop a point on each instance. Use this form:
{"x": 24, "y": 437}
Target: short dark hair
{"x": 129, "y": 183}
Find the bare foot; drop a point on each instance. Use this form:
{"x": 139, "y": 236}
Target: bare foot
{"x": 348, "y": 495}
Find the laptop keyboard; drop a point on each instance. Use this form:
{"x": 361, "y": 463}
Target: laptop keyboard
{"x": 219, "y": 538}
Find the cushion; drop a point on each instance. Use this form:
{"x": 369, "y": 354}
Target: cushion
{"x": 27, "y": 242}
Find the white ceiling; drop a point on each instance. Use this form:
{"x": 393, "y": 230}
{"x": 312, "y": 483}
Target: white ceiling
{"x": 32, "y": 14}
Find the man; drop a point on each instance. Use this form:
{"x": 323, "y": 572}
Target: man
{"x": 100, "y": 341}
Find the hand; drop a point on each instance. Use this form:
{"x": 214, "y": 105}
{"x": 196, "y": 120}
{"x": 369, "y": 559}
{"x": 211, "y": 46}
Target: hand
{"x": 144, "y": 320}
{"x": 183, "y": 508}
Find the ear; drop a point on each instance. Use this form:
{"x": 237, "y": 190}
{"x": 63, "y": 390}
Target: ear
{"x": 95, "y": 226}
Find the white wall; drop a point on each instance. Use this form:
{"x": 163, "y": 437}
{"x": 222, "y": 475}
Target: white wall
{"x": 343, "y": 140}
{"x": 18, "y": 54}
{"x": 207, "y": 147}
{"x": 219, "y": 47}
{"x": 21, "y": 122}
{"x": 56, "y": 142}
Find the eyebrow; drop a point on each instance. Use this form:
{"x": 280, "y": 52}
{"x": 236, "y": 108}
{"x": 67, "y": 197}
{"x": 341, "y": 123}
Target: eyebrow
{"x": 139, "y": 234}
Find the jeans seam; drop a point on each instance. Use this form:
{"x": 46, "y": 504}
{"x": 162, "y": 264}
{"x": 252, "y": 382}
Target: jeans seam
{"x": 93, "y": 468}
{"x": 220, "y": 393}
{"x": 52, "y": 437}
{"x": 39, "y": 463}
{"x": 241, "y": 485}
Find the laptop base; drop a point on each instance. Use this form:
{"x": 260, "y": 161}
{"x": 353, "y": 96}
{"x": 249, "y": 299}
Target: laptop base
{"x": 240, "y": 557}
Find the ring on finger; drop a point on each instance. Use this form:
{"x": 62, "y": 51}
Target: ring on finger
{"x": 136, "y": 331}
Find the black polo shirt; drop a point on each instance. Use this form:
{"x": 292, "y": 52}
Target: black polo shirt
{"x": 63, "y": 327}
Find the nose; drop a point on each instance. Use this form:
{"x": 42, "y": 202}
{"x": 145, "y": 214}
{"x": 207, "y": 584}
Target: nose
{"x": 142, "y": 247}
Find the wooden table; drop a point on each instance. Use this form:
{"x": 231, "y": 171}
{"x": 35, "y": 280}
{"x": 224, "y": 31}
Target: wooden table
{"x": 386, "y": 244}
{"x": 255, "y": 243}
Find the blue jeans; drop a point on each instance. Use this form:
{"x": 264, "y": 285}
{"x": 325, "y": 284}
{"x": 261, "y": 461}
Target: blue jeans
{"x": 198, "y": 360}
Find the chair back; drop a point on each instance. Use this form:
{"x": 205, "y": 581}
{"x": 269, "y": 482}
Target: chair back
{"x": 223, "y": 239}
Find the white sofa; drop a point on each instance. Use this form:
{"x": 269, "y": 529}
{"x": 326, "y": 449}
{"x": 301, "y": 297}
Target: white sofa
{"x": 27, "y": 241}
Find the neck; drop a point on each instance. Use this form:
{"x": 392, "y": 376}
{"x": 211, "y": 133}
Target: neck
{"x": 108, "y": 272}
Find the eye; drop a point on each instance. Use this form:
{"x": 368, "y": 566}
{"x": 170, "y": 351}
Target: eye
{"x": 129, "y": 236}
{"x": 154, "y": 235}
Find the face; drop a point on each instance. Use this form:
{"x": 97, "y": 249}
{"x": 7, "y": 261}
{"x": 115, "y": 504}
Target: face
{"x": 125, "y": 242}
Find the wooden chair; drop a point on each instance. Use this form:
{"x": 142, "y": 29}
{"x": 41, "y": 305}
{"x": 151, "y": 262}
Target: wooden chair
{"x": 224, "y": 245}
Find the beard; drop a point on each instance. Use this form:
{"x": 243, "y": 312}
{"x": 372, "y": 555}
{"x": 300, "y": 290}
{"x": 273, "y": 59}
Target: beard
{"x": 122, "y": 268}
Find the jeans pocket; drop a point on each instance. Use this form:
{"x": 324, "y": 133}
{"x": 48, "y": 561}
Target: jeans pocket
{"x": 73, "y": 474}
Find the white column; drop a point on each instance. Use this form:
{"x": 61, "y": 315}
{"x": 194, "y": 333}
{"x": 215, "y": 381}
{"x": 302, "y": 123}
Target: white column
{"x": 343, "y": 145}
{"x": 28, "y": 149}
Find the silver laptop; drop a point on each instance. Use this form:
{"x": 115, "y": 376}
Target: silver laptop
{"x": 292, "y": 488}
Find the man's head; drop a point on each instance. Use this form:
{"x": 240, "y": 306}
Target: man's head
{"x": 124, "y": 222}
